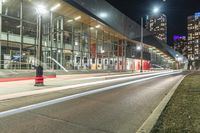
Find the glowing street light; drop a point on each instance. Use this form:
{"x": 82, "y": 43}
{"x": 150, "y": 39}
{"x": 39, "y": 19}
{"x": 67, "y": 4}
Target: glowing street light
{"x": 91, "y": 28}
{"x": 55, "y": 7}
{"x": 138, "y": 48}
{"x": 156, "y": 10}
{"x": 98, "y": 26}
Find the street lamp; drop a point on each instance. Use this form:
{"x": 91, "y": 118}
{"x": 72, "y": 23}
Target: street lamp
{"x": 141, "y": 46}
{"x": 156, "y": 10}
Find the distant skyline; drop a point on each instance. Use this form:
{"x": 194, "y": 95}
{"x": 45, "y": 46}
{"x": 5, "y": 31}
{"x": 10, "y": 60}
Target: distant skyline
{"x": 176, "y": 11}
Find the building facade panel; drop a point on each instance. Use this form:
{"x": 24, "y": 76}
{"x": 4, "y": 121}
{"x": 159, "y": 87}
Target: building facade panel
{"x": 193, "y": 47}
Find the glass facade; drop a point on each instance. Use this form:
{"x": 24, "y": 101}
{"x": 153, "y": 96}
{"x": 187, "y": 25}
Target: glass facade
{"x": 64, "y": 40}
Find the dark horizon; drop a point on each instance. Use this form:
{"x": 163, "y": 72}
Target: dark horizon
{"x": 176, "y": 12}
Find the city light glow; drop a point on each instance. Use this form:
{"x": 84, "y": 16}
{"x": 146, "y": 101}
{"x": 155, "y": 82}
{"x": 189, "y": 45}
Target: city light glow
{"x": 98, "y": 26}
{"x": 41, "y": 9}
{"x": 156, "y": 10}
{"x": 71, "y": 20}
{"x": 103, "y": 15}
{"x": 77, "y": 18}
{"x": 138, "y": 48}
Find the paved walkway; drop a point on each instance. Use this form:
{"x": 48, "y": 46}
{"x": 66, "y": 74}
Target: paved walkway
{"x": 61, "y": 80}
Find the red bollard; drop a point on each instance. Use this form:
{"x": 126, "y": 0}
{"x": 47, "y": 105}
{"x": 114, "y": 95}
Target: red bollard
{"x": 39, "y": 81}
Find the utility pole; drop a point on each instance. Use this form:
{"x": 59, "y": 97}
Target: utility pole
{"x": 141, "y": 44}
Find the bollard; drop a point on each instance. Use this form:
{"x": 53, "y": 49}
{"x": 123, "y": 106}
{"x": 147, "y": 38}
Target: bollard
{"x": 39, "y": 79}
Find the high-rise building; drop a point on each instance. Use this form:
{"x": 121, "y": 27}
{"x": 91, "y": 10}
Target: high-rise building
{"x": 194, "y": 37}
{"x": 157, "y": 24}
{"x": 180, "y": 44}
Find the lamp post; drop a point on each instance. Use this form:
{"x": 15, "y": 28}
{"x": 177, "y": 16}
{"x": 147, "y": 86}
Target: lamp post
{"x": 155, "y": 11}
{"x": 141, "y": 46}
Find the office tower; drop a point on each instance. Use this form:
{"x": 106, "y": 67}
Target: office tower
{"x": 157, "y": 24}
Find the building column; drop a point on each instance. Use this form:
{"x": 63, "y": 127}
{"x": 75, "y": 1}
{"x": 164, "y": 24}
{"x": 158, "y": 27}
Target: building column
{"x": 51, "y": 38}
{"x": 122, "y": 54}
{"x": 81, "y": 44}
{"x": 113, "y": 56}
{"x": 61, "y": 39}
{"x": 89, "y": 46}
{"x": 73, "y": 47}
{"x": 21, "y": 33}
{"x": 125, "y": 45}
{"x": 96, "y": 59}
{"x": 0, "y": 33}
{"x": 118, "y": 46}
{"x": 58, "y": 42}
{"x": 39, "y": 40}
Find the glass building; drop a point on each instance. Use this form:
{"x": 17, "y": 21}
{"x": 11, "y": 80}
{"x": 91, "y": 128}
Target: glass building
{"x": 75, "y": 35}
{"x": 193, "y": 46}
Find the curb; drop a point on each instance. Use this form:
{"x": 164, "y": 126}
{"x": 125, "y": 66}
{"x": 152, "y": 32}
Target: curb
{"x": 22, "y": 79}
{"x": 152, "y": 119}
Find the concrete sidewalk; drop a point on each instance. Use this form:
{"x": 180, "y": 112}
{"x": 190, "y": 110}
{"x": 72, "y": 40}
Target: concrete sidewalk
{"x": 13, "y": 87}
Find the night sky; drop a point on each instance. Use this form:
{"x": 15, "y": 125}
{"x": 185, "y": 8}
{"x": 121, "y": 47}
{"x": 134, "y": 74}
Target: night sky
{"x": 176, "y": 11}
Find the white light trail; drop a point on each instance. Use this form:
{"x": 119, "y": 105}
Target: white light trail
{"x": 75, "y": 96}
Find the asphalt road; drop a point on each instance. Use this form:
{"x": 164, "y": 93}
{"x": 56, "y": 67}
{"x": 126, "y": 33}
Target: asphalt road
{"x": 121, "y": 110}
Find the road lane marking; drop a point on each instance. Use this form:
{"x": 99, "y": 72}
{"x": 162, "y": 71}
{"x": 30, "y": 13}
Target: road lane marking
{"x": 110, "y": 76}
{"x": 75, "y": 96}
{"x": 35, "y": 92}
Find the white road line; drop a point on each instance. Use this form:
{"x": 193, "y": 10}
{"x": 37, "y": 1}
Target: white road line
{"x": 110, "y": 76}
{"x": 34, "y": 92}
{"x": 59, "y": 100}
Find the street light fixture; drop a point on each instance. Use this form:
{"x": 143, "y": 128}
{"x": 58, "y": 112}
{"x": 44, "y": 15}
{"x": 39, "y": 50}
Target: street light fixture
{"x": 41, "y": 9}
{"x": 138, "y": 48}
{"x": 156, "y": 10}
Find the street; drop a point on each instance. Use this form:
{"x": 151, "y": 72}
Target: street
{"x": 118, "y": 110}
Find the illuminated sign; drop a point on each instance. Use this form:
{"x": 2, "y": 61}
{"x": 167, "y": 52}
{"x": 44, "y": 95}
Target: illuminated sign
{"x": 176, "y": 37}
{"x": 197, "y": 14}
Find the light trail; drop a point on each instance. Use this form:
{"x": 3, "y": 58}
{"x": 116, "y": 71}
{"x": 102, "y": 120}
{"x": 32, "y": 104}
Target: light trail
{"x": 75, "y": 96}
